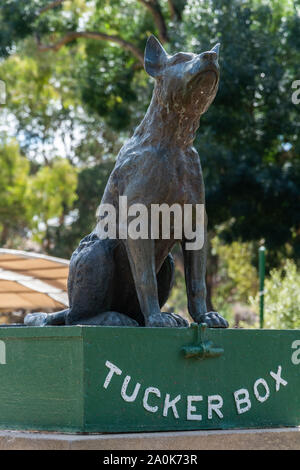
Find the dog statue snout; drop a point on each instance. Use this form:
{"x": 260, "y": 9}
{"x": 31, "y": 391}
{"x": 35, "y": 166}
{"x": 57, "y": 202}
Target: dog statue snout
{"x": 209, "y": 56}
{"x": 212, "y": 55}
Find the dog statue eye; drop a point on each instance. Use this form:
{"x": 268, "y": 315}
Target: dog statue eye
{"x": 179, "y": 58}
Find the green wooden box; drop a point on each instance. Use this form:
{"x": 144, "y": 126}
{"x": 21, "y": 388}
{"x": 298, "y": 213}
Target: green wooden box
{"x": 109, "y": 379}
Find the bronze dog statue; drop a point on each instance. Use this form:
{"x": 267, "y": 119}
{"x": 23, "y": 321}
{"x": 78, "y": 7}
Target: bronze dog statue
{"x": 127, "y": 281}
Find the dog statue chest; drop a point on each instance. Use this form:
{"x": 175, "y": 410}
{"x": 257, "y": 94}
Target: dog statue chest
{"x": 153, "y": 175}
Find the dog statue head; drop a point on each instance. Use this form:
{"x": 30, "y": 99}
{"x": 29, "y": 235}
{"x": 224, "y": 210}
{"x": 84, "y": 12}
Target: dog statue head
{"x": 184, "y": 81}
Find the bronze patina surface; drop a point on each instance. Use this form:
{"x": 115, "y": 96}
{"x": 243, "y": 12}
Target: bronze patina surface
{"x": 127, "y": 281}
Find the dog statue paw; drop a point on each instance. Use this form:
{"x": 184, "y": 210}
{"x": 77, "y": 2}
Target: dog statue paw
{"x": 213, "y": 320}
{"x": 165, "y": 319}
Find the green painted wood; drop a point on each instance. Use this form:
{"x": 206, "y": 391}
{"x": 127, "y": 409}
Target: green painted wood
{"x": 41, "y": 382}
{"x": 75, "y": 378}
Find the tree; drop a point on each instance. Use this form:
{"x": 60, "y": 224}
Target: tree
{"x": 282, "y": 298}
{"x": 52, "y": 192}
{"x": 114, "y": 36}
{"x": 14, "y": 171}
{"x": 29, "y": 201}
{"x": 64, "y": 237}
{"x": 249, "y": 146}
{"x": 250, "y": 143}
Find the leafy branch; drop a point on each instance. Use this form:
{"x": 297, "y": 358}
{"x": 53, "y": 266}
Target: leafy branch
{"x": 152, "y": 6}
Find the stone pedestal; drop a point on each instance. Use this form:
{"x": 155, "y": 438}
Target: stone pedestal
{"x": 254, "y": 439}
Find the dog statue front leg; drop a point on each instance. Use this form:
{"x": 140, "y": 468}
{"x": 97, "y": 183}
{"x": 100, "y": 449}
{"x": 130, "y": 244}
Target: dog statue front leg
{"x": 195, "y": 269}
{"x": 141, "y": 257}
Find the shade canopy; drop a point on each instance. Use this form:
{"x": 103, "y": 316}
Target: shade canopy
{"x": 32, "y": 281}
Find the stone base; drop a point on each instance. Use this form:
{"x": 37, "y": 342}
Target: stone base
{"x": 254, "y": 439}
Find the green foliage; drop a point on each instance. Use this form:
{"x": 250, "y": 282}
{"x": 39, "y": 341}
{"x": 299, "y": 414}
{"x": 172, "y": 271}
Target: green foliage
{"x": 28, "y": 201}
{"x": 64, "y": 237}
{"x": 52, "y": 194}
{"x": 43, "y": 97}
{"x": 108, "y": 90}
{"x": 235, "y": 264}
{"x": 282, "y": 298}
{"x": 235, "y": 280}
{"x": 16, "y": 19}
{"x": 14, "y": 170}
{"x": 249, "y": 140}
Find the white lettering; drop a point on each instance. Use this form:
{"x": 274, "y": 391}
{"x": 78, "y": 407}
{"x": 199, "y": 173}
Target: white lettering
{"x": 166, "y": 211}
{"x": 113, "y": 370}
{"x": 244, "y": 400}
{"x": 123, "y": 217}
{"x": 171, "y": 404}
{"x": 191, "y": 408}
{"x": 189, "y": 233}
{"x": 2, "y": 352}
{"x": 2, "y": 92}
{"x": 133, "y": 396}
{"x": 259, "y": 397}
{"x": 216, "y": 407}
{"x": 296, "y": 354}
{"x": 138, "y": 228}
{"x": 296, "y": 94}
{"x": 278, "y": 379}
{"x": 106, "y": 226}
{"x": 152, "y": 409}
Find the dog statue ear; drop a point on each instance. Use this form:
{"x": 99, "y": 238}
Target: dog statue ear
{"x": 155, "y": 57}
{"x": 216, "y": 49}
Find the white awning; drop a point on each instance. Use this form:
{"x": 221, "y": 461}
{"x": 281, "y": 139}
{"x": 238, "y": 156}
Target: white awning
{"x": 32, "y": 281}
